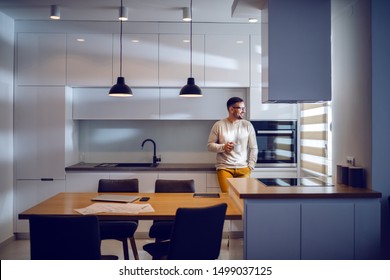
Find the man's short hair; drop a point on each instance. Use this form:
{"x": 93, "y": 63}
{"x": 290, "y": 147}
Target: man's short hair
{"x": 232, "y": 101}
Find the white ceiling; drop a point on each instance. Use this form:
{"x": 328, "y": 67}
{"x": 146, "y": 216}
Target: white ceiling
{"x": 234, "y": 11}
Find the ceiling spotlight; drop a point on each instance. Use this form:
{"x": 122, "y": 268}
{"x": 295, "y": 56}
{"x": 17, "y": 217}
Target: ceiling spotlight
{"x": 186, "y": 14}
{"x": 55, "y": 12}
{"x": 252, "y": 20}
{"x": 123, "y": 13}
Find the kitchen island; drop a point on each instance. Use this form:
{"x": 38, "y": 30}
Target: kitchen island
{"x": 332, "y": 222}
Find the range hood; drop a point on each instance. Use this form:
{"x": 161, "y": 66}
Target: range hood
{"x": 296, "y": 51}
{"x": 295, "y": 48}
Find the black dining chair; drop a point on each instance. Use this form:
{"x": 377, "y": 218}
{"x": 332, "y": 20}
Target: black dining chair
{"x": 161, "y": 230}
{"x": 65, "y": 238}
{"x": 196, "y": 235}
{"x": 120, "y": 230}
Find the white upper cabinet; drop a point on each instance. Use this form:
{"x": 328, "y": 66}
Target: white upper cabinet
{"x": 211, "y": 106}
{"x": 94, "y": 103}
{"x": 40, "y": 122}
{"x": 140, "y": 59}
{"x": 89, "y": 60}
{"x": 297, "y": 51}
{"x": 227, "y": 60}
{"x": 174, "y": 59}
{"x": 255, "y": 61}
{"x": 269, "y": 111}
{"x": 41, "y": 59}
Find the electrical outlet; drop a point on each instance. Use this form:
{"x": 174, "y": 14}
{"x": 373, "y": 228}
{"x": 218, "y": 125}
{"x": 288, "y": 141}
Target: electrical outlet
{"x": 350, "y": 160}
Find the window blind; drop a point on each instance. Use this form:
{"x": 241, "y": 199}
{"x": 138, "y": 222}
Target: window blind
{"x": 316, "y": 140}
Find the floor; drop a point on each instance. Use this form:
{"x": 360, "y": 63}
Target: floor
{"x": 20, "y": 249}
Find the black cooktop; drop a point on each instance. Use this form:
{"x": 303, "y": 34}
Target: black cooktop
{"x": 294, "y": 182}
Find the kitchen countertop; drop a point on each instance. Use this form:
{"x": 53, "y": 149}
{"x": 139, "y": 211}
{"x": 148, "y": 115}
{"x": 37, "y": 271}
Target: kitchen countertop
{"x": 92, "y": 167}
{"x": 251, "y": 188}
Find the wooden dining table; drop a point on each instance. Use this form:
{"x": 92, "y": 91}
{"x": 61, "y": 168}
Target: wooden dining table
{"x": 163, "y": 204}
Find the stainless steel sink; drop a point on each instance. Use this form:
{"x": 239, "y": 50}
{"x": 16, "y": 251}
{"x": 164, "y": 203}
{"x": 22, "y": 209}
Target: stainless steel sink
{"x": 127, "y": 164}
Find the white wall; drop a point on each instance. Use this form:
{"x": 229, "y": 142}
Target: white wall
{"x": 351, "y": 83}
{"x": 6, "y": 126}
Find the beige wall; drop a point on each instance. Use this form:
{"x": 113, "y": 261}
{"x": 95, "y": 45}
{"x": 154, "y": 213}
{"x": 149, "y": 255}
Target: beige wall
{"x": 351, "y": 83}
{"x": 6, "y": 126}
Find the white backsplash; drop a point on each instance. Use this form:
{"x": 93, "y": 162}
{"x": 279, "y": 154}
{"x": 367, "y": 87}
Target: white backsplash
{"x": 120, "y": 141}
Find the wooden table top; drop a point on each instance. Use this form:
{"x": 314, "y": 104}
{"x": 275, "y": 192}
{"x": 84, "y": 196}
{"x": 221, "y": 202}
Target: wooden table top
{"x": 164, "y": 205}
{"x": 251, "y": 188}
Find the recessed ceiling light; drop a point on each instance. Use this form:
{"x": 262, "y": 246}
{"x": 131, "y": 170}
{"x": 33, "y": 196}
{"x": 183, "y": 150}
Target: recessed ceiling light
{"x": 186, "y": 14}
{"x": 252, "y": 20}
{"x": 80, "y": 40}
{"x": 135, "y": 41}
{"x": 55, "y": 12}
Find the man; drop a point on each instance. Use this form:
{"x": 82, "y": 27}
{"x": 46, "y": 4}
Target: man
{"x": 234, "y": 141}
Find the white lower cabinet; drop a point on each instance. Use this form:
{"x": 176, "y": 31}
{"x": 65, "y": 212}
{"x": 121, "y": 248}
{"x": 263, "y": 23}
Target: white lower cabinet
{"x": 84, "y": 182}
{"x": 198, "y": 177}
{"x": 31, "y": 192}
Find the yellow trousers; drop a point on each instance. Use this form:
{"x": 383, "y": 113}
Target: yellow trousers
{"x": 223, "y": 174}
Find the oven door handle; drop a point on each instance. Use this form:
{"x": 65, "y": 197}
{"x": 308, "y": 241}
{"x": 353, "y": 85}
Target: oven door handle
{"x": 282, "y": 132}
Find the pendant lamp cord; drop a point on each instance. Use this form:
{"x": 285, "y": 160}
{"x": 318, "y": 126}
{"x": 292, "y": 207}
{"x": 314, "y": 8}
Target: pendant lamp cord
{"x": 191, "y": 40}
{"x": 120, "y": 43}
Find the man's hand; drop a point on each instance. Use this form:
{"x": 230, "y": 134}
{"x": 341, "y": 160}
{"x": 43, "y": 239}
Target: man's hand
{"x": 228, "y": 147}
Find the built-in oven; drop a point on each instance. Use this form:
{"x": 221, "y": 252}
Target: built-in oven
{"x": 277, "y": 142}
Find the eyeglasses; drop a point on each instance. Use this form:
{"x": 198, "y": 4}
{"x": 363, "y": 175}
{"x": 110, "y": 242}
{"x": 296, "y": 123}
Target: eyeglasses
{"x": 240, "y": 108}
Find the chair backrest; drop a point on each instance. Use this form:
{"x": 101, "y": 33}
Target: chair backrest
{"x": 118, "y": 185}
{"x": 174, "y": 186}
{"x": 197, "y": 233}
{"x": 64, "y": 238}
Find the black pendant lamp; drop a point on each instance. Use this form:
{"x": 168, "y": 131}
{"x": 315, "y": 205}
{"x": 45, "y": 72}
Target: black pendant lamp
{"x": 191, "y": 89}
{"x": 120, "y": 88}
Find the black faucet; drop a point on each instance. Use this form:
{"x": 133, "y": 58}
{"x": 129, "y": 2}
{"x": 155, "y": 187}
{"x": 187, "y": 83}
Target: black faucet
{"x": 155, "y": 158}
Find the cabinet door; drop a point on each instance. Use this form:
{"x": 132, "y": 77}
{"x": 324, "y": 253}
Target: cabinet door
{"x": 269, "y": 111}
{"x": 89, "y": 60}
{"x": 327, "y": 231}
{"x": 140, "y": 59}
{"x": 41, "y": 59}
{"x": 40, "y": 132}
{"x": 84, "y": 182}
{"x": 28, "y": 193}
{"x": 255, "y": 60}
{"x": 94, "y": 103}
{"x": 272, "y": 230}
{"x": 174, "y": 59}
{"x": 211, "y": 106}
{"x": 227, "y": 60}
{"x": 199, "y": 178}
{"x": 146, "y": 179}
{"x": 212, "y": 182}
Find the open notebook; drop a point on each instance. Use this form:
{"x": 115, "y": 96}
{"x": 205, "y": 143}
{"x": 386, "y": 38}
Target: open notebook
{"x": 115, "y": 198}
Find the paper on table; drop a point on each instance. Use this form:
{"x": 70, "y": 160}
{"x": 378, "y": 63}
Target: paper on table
{"x": 115, "y": 208}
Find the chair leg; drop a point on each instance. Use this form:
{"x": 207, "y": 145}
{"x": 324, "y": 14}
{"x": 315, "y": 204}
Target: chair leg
{"x": 134, "y": 248}
{"x": 125, "y": 249}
